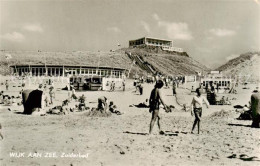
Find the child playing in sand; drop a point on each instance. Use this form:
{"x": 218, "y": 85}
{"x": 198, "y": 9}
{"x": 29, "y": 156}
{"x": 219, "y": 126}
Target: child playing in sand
{"x": 154, "y": 103}
{"x": 113, "y": 108}
{"x": 196, "y": 108}
{"x": 7, "y": 101}
{"x": 82, "y": 104}
{"x": 102, "y": 104}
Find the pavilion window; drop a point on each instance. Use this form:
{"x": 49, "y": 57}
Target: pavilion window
{"x": 19, "y": 71}
{"x": 102, "y": 72}
{"x": 53, "y": 71}
{"x": 57, "y": 71}
{"x": 39, "y": 71}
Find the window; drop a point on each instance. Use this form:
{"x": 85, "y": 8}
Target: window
{"x": 102, "y": 72}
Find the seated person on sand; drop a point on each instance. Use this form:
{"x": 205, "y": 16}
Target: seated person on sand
{"x": 246, "y": 108}
{"x": 224, "y": 101}
{"x": 227, "y": 101}
{"x": 65, "y": 102}
{"x": 13, "y": 100}
{"x": 59, "y": 110}
{"x": 82, "y": 104}
{"x": 8, "y": 101}
{"x": 113, "y": 108}
{"x": 221, "y": 101}
{"x": 102, "y": 104}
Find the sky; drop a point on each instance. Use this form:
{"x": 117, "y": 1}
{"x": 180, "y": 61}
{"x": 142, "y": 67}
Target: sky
{"x": 210, "y": 31}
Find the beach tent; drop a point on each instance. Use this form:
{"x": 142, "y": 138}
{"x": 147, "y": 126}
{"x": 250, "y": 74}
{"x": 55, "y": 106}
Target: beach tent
{"x": 255, "y": 110}
{"x": 32, "y": 99}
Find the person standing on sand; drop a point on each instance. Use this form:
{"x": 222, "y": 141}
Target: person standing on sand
{"x": 73, "y": 94}
{"x": 52, "y": 94}
{"x": 123, "y": 84}
{"x": 113, "y": 85}
{"x": 6, "y": 84}
{"x": 174, "y": 87}
{"x": 196, "y": 108}
{"x": 154, "y": 103}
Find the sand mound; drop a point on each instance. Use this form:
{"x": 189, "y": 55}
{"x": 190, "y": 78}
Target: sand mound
{"x": 97, "y": 113}
{"x": 220, "y": 114}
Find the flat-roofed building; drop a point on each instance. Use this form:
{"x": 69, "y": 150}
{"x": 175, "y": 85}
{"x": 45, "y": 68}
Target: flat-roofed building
{"x": 166, "y": 45}
{"x": 62, "y": 70}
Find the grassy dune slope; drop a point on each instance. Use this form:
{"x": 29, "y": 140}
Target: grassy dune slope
{"x": 169, "y": 63}
{"x": 246, "y": 64}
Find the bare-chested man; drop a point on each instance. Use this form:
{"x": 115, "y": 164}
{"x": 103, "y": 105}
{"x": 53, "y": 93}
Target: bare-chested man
{"x": 196, "y": 108}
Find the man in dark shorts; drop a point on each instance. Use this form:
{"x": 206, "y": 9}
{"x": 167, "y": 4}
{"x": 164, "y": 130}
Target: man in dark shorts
{"x": 174, "y": 87}
{"x": 154, "y": 103}
{"x": 196, "y": 108}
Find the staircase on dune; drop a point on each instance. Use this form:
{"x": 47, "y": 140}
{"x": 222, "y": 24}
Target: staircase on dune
{"x": 144, "y": 65}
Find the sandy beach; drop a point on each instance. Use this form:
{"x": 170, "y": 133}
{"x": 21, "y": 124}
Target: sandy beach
{"x": 77, "y": 139}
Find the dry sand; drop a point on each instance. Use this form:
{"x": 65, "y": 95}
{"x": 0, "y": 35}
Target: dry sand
{"x": 123, "y": 140}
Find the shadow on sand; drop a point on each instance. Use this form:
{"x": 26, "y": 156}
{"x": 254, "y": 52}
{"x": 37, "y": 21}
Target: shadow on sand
{"x": 21, "y": 113}
{"x": 166, "y": 133}
{"x": 128, "y": 132}
{"x": 231, "y": 124}
{"x": 175, "y": 132}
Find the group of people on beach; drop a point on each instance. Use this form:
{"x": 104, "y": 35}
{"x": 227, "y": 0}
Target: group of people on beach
{"x": 156, "y": 99}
